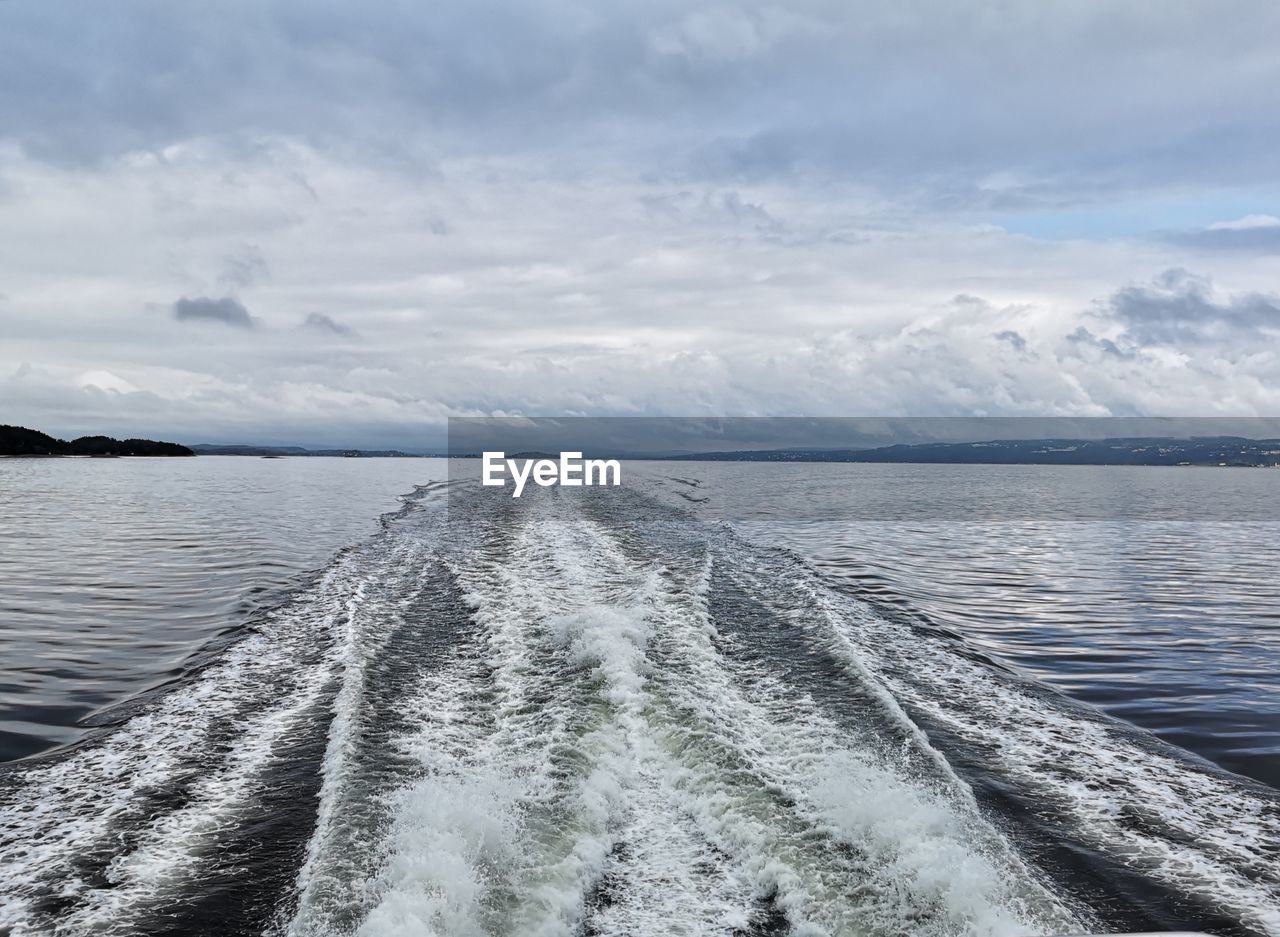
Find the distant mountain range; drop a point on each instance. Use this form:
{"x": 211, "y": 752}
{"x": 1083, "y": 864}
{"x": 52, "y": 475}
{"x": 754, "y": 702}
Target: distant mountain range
{"x": 20, "y": 441}
{"x": 1216, "y": 450}
{"x": 270, "y": 452}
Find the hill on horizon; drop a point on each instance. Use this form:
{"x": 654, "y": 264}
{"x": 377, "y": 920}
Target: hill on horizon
{"x": 21, "y": 441}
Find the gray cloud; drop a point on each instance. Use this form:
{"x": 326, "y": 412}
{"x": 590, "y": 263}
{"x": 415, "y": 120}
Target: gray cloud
{"x": 1256, "y": 236}
{"x": 1013, "y": 338}
{"x": 754, "y": 206}
{"x": 917, "y": 93}
{"x": 1082, "y": 337}
{"x": 203, "y": 309}
{"x": 1179, "y": 308}
{"x": 243, "y": 268}
{"x": 319, "y": 322}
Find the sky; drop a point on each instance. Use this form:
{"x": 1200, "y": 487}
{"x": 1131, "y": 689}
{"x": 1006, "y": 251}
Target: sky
{"x": 324, "y": 223}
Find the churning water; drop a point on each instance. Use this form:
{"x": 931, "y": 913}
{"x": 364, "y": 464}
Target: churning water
{"x": 625, "y": 711}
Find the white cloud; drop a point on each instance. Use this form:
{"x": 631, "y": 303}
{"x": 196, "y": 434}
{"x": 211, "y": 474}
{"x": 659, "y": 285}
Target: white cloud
{"x": 1247, "y": 223}
{"x": 748, "y": 208}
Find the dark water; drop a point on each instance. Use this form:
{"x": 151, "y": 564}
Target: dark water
{"x": 1153, "y": 593}
{"x": 114, "y": 572}
{"x": 608, "y": 712}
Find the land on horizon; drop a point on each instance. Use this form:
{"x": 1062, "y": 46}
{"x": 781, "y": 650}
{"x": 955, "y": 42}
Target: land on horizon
{"x": 1233, "y": 451}
{"x": 205, "y": 448}
{"x": 1226, "y": 451}
{"x": 20, "y": 441}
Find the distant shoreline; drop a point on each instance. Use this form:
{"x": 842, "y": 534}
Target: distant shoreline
{"x": 1216, "y": 452}
{"x": 271, "y": 452}
{"x": 21, "y": 442}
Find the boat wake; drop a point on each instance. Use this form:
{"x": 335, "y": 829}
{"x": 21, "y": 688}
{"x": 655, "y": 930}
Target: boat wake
{"x": 586, "y": 714}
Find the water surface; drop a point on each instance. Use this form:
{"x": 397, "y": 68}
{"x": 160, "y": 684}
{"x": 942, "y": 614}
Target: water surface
{"x": 115, "y": 572}
{"x": 748, "y": 700}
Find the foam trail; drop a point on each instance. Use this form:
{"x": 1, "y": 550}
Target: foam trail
{"x": 1192, "y": 828}
{"x": 591, "y": 760}
{"x": 548, "y": 770}
{"x": 101, "y": 839}
{"x": 594, "y": 716}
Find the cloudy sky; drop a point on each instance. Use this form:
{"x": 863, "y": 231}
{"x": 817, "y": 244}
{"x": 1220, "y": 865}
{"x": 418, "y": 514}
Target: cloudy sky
{"x": 322, "y": 222}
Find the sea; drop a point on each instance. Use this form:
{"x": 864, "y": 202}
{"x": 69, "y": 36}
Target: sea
{"x": 313, "y": 696}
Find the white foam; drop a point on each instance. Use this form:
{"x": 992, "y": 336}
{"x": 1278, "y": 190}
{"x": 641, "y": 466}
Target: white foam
{"x": 602, "y": 761}
{"x": 802, "y": 784}
{"x": 326, "y": 876}
{"x": 96, "y": 802}
{"x": 594, "y": 753}
{"x": 1193, "y": 829}
{"x": 446, "y": 863}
